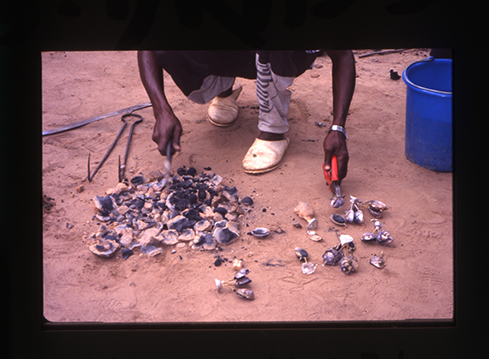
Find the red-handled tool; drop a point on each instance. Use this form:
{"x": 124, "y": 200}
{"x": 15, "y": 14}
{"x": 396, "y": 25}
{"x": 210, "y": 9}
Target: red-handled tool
{"x": 332, "y": 174}
{"x": 332, "y": 179}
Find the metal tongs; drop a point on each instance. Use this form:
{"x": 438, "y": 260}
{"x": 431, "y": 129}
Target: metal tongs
{"x": 123, "y": 166}
{"x": 332, "y": 179}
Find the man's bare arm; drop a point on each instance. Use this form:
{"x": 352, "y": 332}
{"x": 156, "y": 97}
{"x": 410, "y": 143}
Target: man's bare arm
{"x": 167, "y": 126}
{"x": 343, "y": 88}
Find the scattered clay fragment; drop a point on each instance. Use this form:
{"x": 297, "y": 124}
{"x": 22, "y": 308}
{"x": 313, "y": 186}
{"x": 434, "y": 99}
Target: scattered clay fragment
{"x": 105, "y": 248}
{"x": 126, "y": 253}
{"x": 306, "y": 212}
{"x": 314, "y": 236}
{"x": 296, "y": 224}
{"x": 247, "y": 201}
{"x": 155, "y": 176}
{"x": 225, "y": 236}
{"x": 260, "y": 232}
{"x": 237, "y": 264}
{"x": 151, "y": 250}
{"x": 187, "y": 235}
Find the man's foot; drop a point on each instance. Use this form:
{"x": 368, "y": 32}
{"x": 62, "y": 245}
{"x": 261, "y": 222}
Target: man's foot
{"x": 264, "y": 155}
{"x": 223, "y": 111}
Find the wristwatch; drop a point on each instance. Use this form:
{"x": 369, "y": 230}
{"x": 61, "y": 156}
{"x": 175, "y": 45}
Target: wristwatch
{"x": 339, "y": 129}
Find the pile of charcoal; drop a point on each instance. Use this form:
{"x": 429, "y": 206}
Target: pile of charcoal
{"x": 188, "y": 209}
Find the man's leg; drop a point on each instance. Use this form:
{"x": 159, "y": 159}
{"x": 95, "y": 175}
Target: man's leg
{"x": 226, "y": 93}
{"x": 273, "y": 99}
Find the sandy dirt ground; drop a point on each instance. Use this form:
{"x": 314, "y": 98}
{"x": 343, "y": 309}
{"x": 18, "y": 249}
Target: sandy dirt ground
{"x": 417, "y": 282}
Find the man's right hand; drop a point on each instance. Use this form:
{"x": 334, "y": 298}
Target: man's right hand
{"x": 167, "y": 128}
{"x": 335, "y": 145}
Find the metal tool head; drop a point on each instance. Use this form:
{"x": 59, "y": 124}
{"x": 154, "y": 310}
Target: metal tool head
{"x": 124, "y": 119}
{"x": 333, "y": 182}
{"x": 90, "y": 176}
{"x": 167, "y": 164}
{"x": 125, "y": 116}
{"x": 337, "y": 201}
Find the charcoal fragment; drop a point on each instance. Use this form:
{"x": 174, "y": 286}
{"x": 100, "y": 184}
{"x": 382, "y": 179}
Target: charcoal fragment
{"x": 117, "y": 198}
{"x": 231, "y": 190}
{"x": 181, "y": 171}
{"x": 179, "y": 223}
{"x": 138, "y": 180}
{"x": 177, "y": 201}
{"x": 220, "y": 224}
{"x": 231, "y": 193}
{"x": 202, "y": 194}
{"x": 221, "y": 210}
{"x": 161, "y": 205}
{"x": 126, "y": 253}
{"x": 206, "y": 242}
{"x": 103, "y": 216}
{"x": 247, "y": 201}
{"x": 193, "y": 215}
{"x": 111, "y": 237}
{"x": 186, "y": 184}
{"x": 225, "y": 236}
{"x": 136, "y": 203}
{"x": 200, "y": 241}
{"x": 192, "y": 198}
{"x": 106, "y": 203}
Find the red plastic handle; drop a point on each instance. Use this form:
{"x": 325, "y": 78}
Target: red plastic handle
{"x": 332, "y": 175}
{"x": 334, "y": 169}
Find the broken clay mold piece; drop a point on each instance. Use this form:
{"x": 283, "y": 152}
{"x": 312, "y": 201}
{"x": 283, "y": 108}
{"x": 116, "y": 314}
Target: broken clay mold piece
{"x": 306, "y": 212}
{"x": 105, "y": 248}
{"x": 378, "y": 261}
{"x": 260, "y": 232}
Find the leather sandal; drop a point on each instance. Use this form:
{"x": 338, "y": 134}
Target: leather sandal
{"x": 264, "y": 156}
{"x": 223, "y": 111}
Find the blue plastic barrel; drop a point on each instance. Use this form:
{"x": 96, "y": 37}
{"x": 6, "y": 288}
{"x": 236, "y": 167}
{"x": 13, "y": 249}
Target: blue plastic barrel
{"x": 429, "y": 114}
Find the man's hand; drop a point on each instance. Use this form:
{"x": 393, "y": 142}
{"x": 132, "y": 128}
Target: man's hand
{"x": 335, "y": 145}
{"x": 167, "y": 128}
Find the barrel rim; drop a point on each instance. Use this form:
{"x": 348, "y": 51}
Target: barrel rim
{"x": 409, "y": 82}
